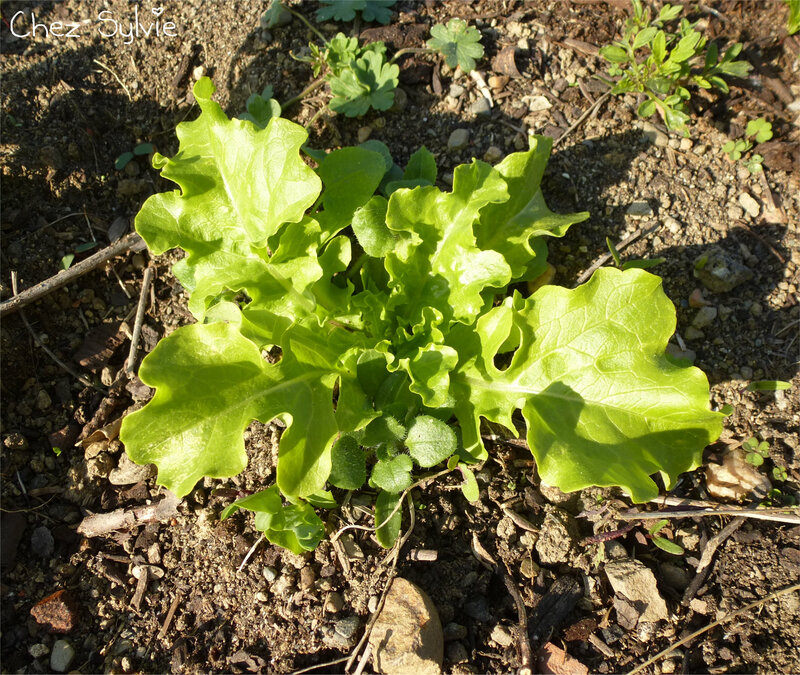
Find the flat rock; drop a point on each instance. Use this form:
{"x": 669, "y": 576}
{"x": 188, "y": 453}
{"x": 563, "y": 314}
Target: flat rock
{"x": 639, "y": 209}
{"x": 635, "y": 582}
{"x": 42, "y": 543}
{"x": 57, "y": 613}
{"x": 128, "y": 473}
{"x": 481, "y": 106}
{"x": 553, "y": 660}
{"x": 719, "y": 271}
{"x": 655, "y": 135}
{"x": 407, "y": 636}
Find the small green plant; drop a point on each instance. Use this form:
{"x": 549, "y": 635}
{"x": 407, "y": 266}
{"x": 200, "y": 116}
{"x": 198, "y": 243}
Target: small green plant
{"x": 388, "y": 303}
{"x": 345, "y": 10}
{"x": 124, "y": 159}
{"x": 769, "y": 385}
{"x": 459, "y": 43}
{"x": 757, "y": 131}
{"x": 630, "y": 264}
{"x": 662, "y": 65}
{"x": 793, "y": 22}
{"x": 662, "y": 542}
{"x": 362, "y": 76}
{"x": 756, "y": 452}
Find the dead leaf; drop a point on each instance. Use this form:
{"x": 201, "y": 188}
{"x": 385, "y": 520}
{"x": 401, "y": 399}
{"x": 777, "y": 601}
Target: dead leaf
{"x": 107, "y": 433}
{"x": 504, "y": 62}
{"x": 99, "y": 345}
{"x": 552, "y": 660}
{"x": 735, "y": 479}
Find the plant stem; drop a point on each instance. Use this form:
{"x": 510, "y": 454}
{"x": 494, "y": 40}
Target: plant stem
{"x": 316, "y": 84}
{"x": 306, "y": 22}
{"x": 411, "y": 50}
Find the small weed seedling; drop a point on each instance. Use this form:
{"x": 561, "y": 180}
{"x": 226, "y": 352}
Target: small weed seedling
{"x": 757, "y": 131}
{"x": 793, "y": 22}
{"x": 674, "y": 61}
{"x": 124, "y": 159}
{"x": 662, "y": 542}
{"x": 756, "y": 452}
{"x": 389, "y": 303}
{"x": 361, "y": 76}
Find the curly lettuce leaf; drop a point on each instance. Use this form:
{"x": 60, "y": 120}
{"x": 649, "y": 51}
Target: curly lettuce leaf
{"x": 438, "y": 263}
{"x": 211, "y": 382}
{"x": 603, "y": 404}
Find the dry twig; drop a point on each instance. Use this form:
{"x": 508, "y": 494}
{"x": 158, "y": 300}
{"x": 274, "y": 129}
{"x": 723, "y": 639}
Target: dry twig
{"x": 41, "y": 344}
{"x": 137, "y": 326}
{"x": 132, "y": 242}
{"x": 714, "y": 624}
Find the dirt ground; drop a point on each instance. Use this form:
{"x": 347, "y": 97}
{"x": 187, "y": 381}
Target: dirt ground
{"x": 71, "y": 106}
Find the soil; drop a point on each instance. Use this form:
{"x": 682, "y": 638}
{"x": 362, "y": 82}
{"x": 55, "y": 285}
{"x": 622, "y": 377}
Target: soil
{"x": 71, "y": 106}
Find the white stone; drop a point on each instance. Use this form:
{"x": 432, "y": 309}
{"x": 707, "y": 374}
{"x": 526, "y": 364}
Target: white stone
{"x": 749, "y": 204}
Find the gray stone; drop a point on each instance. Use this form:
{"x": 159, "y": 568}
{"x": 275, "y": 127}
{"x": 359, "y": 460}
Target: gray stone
{"x": 62, "y": 656}
{"x": 719, "y": 271}
{"x": 42, "y": 543}
{"x": 456, "y": 90}
{"x": 129, "y": 473}
{"x": 270, "y": 573}
{"x": 749, "y": 204}
{"x": 634, "y": 581}
{"x": 454, "y": 631}
{"x": 481, "y": 107}
{"x": 705, "y": 317}
{"x": 655, "y": 135}
{"x": 407, "y": 635}
{"x": 458, "y": 139}
{"x": 693, "y": 333}
{"x": 38, "y": 650}
{"x": 493, "y": 155}
{"x": 347, "y": 627}
{"x": 639, "y": 209}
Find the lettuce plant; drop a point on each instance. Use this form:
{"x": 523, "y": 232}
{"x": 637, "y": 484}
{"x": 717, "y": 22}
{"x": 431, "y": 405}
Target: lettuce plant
{"x": 398, "y": 329}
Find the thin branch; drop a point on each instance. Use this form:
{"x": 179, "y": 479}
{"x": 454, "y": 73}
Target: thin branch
{"x": 137, "y": 326}
{"x": 311, "y": 27}
{"x": 132, "y": 242}
{"x": 308, "y": 669}
{"x": 582, "y": 118}
{"x": 316, "y": 84}
{"x": 777, "y": 515}
{"x": 714, "y": 624}
{"x": 115, "y": 76}
{"x": 44, "y": 347}
{"x": 603, "y": 259}
{"x": 411, "y": 50}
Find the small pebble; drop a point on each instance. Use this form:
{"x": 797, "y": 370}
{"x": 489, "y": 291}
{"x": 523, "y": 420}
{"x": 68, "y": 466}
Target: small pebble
{"x": 458, "y": 139}
{"x": 749, "y": 204}
{"x": 270, "y": 573}
{"x": 455, "y": 90}
{"x": 334, "y": 603}
{"x": 539, "y": 103}
{"x": 347, "y": 627}
{"x": 493, "y": 155}
{"x": 43, "y": 400}
{"x": 42, "y": 543}
{"x": 364, "y": 133}
{"x": 38, "y": 650}
{"x": 502, "y": 636}
{"x": 62, "y": 656}
{"x": 705, "y": 317}
{"x": 454, "y": 631}
{"x": 198, "y": 72}
{"x": 481, "y": 107}
{"x": 693, "y": 333}
{"x": 307, "y": 578}
{"x": 639, "y": 209}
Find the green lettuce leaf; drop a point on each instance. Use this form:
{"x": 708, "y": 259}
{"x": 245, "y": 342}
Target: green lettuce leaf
{"x": 603, "y": 404}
